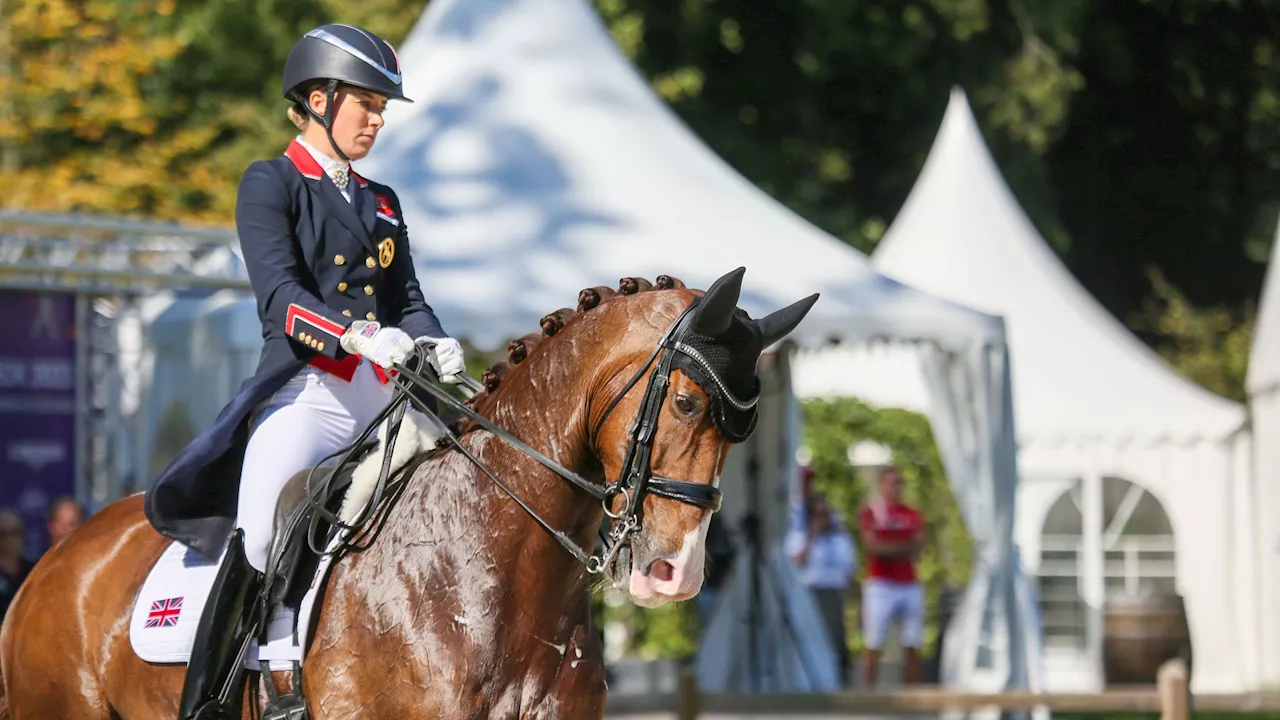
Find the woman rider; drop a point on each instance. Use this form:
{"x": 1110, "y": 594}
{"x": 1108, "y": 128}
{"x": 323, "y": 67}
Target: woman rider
{"x": 327, "y": 253}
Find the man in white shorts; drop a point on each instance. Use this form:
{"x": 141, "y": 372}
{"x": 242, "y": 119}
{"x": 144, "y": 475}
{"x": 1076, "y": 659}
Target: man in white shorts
{"x": 892, "y": 534}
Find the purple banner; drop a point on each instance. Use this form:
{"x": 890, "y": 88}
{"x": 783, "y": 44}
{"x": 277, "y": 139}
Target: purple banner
{"x": 37, "y": 463}
{"x": 38, "y": 357}
{"x": 37, "y": 407}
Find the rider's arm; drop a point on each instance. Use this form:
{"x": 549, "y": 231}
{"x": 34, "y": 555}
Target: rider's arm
{"x": 410, "y": 311}
{"x": 266, "y": 228}
{"x": 876, "y": 545}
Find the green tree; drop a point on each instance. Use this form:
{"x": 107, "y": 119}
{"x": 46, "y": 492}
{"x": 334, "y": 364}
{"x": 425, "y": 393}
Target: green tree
{"x": 152, "y": 107}
{"x": 1135, "y": 134}
{"x": 1171, "y": 157}
{"x": 1209, "y": 346}
{"x": 74, "y": 104}
{"x": 831, "y": 106}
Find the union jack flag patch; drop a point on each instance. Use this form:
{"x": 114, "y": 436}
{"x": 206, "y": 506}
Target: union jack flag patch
{"x": 164, "y": 613}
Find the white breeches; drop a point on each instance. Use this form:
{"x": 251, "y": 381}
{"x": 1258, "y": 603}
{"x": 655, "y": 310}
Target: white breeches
{"x": 312, "y": 416}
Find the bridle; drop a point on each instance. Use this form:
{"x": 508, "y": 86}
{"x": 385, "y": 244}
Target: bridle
{"x": 635, "y": 479}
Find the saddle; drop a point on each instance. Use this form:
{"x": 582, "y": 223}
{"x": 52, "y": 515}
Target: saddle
{"x": 343, "y": 490}
{"x": 291, "y": 563}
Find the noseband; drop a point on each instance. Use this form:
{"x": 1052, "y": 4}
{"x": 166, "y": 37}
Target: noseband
{"x": 635, "y": 479}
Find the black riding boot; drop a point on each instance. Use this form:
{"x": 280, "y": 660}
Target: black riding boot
{"x": 220, "y": 635}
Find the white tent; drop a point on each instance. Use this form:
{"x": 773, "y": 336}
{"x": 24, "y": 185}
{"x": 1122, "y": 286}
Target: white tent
{"x": 1263, "y": 384}
{"x": 536, "y": 161}
{"x": 1103, "y": 424}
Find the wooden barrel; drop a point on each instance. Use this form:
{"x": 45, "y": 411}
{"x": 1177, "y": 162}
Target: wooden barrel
{"x": 1140, "y": 633}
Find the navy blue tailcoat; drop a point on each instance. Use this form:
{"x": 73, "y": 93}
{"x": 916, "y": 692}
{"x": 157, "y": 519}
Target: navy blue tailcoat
{"x": 316, "y": 263}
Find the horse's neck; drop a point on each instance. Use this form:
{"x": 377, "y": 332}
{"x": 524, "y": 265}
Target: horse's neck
{"x": 545, "y": 405}
{"x": 457, "y": 535}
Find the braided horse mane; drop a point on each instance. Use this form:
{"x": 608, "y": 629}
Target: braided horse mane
{"x": 552, "y": 323}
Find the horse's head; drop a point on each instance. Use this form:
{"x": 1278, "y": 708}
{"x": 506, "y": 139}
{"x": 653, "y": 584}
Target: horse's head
{"x": 664, "y": 422}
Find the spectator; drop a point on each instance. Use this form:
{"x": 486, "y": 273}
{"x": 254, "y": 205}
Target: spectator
{"x": 65, "y": 515}
{"x": 893, "y": 534}
{"x": 13, "y": 567}
{"x": 828, "y": 560}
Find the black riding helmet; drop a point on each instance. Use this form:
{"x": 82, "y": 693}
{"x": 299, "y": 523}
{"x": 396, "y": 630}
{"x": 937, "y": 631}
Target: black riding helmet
{"x": 342, "y": 55}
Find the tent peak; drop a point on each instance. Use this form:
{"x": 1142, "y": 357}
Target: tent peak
{"x": 963, "y": 236}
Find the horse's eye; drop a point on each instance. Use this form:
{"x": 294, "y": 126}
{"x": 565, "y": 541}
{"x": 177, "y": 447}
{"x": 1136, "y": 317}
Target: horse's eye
{"x": 685, "y": 405}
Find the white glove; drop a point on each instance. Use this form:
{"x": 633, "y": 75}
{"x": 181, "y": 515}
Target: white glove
{"x": 448, "y": 357}
{"x": 386, "y": 346}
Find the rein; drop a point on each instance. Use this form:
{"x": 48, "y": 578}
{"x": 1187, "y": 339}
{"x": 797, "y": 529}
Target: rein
{"x": 635, "y": 479}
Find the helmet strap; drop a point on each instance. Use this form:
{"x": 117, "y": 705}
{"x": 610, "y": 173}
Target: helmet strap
{"x": 329, "y": 111}
{"x": 327, "y": 119}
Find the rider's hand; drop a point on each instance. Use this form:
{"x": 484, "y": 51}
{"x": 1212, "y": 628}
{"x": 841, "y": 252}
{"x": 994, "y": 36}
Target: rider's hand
{"x": 386, "y": 346}
{"x": 449, "y": 358}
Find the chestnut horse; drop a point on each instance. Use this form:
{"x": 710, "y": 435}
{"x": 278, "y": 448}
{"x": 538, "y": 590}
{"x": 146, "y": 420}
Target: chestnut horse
{"x": 464, "y": 607}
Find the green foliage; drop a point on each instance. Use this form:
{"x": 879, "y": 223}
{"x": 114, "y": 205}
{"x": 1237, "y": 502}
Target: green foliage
{"x": 668, "y": 632}
{"x": 1209, "y": 346}
{"x": 1134, "y": 134}
{"x": 831, "y": 427}
{"x": 831, "y": 106}
{"x": 152, "y": 107}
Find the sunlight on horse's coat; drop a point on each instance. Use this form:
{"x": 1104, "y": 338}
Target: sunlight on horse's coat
{"x": 465, "y": 606}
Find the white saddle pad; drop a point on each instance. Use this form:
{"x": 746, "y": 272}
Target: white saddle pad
{"x": 169, "y": 605}
{"x": 168, "y": 609}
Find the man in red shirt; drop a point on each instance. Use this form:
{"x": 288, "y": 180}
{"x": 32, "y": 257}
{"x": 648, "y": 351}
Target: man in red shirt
{"x": 892, "y": 534}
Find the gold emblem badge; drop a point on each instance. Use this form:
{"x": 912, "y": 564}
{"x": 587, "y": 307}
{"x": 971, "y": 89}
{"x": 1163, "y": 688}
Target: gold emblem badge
{"x": 386, "y": 252}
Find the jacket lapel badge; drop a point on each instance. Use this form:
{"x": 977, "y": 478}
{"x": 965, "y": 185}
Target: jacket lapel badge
{"x": 386, "y": 252}
{"x": 385, "y": 212}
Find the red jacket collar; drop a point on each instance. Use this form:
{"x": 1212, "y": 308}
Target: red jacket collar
{"x": 302, "y": 160}
{"x": 307, "y": 165}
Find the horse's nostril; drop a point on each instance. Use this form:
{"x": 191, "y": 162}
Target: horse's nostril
{"x": 662, "y": 571}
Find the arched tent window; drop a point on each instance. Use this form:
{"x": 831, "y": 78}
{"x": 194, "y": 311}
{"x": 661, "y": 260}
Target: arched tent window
{"x": 1137, "y": 547}
{"x": 1062, "y": 606}
{"x": 1137, "y": 541}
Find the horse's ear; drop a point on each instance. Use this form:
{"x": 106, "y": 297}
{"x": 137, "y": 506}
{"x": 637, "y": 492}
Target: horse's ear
{"x": 778, "y": 325}
{"x": 715, "y": 312}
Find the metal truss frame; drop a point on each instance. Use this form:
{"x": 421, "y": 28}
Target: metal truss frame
{"x": 109, "y": 264}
